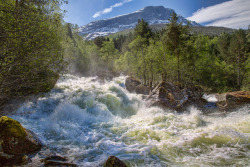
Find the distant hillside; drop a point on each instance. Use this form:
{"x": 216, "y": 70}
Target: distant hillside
{"x": 210, "y": 30}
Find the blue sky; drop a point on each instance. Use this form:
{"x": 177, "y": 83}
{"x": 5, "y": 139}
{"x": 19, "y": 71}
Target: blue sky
{"x": 226, "y": 13}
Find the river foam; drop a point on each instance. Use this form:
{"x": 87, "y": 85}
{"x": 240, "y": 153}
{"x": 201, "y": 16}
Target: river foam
{"x": 87, "y": 121}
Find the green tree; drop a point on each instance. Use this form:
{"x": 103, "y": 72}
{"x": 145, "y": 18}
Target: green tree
{"x": 143, "y": 30}
{"x": 239, "y": 49}
{"x": 138, "y": 48}
{"x": 175, "y": 38}
{"x": 110, "y": 53}
{"x": 31, "y": 55}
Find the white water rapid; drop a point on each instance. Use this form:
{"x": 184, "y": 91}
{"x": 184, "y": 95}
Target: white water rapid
{"x": 88, "y": 121}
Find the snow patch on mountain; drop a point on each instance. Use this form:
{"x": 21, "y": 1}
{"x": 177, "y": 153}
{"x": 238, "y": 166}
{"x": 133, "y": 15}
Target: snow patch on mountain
{"x": 151, "y": 14}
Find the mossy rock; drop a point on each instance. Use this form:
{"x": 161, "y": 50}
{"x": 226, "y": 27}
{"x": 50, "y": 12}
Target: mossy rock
{"x": 16, "y": 140}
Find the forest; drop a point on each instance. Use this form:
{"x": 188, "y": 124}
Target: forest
{"x": 216, "y": 63}
{"x": 142, "y": 98}
{"x": 36, "y": 46}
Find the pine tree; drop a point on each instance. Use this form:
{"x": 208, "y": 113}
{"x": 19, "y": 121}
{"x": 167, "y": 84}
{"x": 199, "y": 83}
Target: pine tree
{"x": 175, "y": 38}
{"x": 143, "y": 30}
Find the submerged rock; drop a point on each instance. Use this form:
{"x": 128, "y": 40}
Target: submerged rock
{"x": 16, "y": 141}
{"x": 168, "y": 95}
{"x": 113, "y": 161}
{"x": 232, "y": 100}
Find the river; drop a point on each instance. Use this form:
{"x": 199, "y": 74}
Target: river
{"x": 88, "y": 121}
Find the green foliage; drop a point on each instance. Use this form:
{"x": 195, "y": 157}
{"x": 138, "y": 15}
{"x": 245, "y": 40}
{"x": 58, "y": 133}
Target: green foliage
{"x": 142, "y": 29}
{"x": 99, "y": 41}
{"x": 239, "y": 49}
{"x": 109, "y": 53}
{"x": 35, "y": 44}
{"x": 175, "y": 39}
{"x": 31, "y": 54}
{"x": 217, "y": 63}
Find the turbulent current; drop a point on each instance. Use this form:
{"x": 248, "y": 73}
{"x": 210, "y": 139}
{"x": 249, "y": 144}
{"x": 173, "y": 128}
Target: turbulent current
{"x": 88, "y": 121}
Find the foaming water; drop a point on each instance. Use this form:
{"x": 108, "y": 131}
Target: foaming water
{"x": 88, "y": 121}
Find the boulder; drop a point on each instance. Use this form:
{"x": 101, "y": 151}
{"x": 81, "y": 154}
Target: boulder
{"x": 141, "y": 89}
{"x": 113, "y": 161}
{"x": 16, "y": 141}
{"x": 168, "y": 95}
{"x": 232, "y": 100}
{"x": 131, "y": 84}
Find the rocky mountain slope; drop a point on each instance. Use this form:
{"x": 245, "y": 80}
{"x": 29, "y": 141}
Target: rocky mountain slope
{"x": 151, "y": 14}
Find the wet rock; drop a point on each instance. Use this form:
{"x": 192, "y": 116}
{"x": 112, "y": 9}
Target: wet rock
{"x": 141, "y": 89}
{"x": 56, "y": 160}
{"x": 168, "y": 95}
{"x": 51, "y": 163}
{"x": 10, "y": 160}
{"x": 131, "y": 84}
{"x": 15, "y": 139}
{"x": 113, "y": 161}
{"x": 16, "y": 142}
{"x": 232, "y": 100}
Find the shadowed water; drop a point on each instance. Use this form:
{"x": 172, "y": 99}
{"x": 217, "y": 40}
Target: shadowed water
{"x": 88, "y": 121}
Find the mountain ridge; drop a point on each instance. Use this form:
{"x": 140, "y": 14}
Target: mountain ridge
{"x": 151, "y": 14}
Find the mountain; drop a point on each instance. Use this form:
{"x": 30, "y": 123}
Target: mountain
{"x": 151, "y": 14}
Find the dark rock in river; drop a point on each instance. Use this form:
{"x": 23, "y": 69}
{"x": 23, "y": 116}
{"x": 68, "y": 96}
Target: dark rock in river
{"x": 58, "y": 163}
{"x": 232, "y": 100}
{"x": 113, "y": 161}
{"x": 141, "y": 89}
{"x": 131, "y": 84}
{"x": 11, "y": 160}
{"x": 16, "y": 141}
{"x": 56, "y": 160}
{"x": 168, "y": 95}
{"x": 134, "y": 85}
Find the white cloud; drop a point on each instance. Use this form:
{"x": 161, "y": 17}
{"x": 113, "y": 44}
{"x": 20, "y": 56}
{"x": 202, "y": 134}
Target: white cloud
{"x": 108, "y": 10}
{"x": 232, "y": 14}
